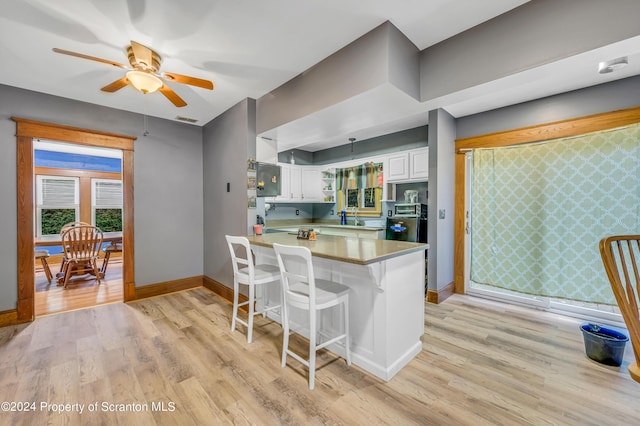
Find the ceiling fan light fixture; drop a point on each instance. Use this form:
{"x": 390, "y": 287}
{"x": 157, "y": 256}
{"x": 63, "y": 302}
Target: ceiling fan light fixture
{"x": 144, "y": 81}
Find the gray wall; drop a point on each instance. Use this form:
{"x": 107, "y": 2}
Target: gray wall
{"x": 534, "y": 34}
{"x": 393, "y": 142}
{"x": 611, "y": 96}
{"x": 442, "y": 131}
{"x": 228, "y": 141}
{"x": 168, "y": 201}
{"x": 383, "y": 55}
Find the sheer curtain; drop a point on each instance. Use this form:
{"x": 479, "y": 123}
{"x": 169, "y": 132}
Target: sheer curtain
{"x": 539, "y": 211}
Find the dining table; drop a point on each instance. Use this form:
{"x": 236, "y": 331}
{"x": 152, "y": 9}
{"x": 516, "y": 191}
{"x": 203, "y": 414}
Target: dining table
{"x": 56, "y": 240}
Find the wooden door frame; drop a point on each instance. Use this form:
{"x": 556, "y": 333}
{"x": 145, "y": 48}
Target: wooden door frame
{"x": 26, "y": 132}
{"x": 538, "y": 133}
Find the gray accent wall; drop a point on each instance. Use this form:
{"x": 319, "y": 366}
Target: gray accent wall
{"x": 383, "y": 55}
{"x": 536, "y": 33}
{"x": 442, "y": 133}
{"x": 227, "y": 143}
{"x": 619, "y": 94}
{"x": 167, "y": 182}
{"x": 399, "y": 141}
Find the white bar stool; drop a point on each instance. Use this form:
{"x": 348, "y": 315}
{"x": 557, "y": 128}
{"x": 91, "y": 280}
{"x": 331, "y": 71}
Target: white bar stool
{"x": 303, "y": 291}
{"x": 246, "y": 273}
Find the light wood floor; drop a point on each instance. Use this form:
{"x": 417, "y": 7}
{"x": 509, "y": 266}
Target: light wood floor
{"x": 82, "y": 292}
{"x": 482, "y": 363}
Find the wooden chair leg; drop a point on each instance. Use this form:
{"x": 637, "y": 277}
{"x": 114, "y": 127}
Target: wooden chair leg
{"x": 105, "y": 262}
{"x": 96, "y": 270}
{"x": 67, "y": 273}
{"x": 47, "y": 270}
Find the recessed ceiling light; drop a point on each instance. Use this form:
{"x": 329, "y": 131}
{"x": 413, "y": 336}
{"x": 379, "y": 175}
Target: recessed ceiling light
{"x": 613, "y": 65}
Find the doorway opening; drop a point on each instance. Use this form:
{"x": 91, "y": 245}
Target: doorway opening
{"x": 76, "y": 183}
{"x": 26, "y": 132}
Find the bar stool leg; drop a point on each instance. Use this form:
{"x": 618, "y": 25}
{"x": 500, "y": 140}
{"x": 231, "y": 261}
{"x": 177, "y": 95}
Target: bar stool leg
{"x": 234, "y": 314}
{"x": 252, "y": 301}
{"x": 347, "y": 340}
{"x": 285, "y": 334}
{"x": 312, "y": 348}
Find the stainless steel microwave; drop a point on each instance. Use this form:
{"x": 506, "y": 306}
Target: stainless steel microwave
{"x": 410, "y": 210}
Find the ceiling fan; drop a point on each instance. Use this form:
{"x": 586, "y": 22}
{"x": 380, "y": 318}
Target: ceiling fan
{"x": 144, "y": 73}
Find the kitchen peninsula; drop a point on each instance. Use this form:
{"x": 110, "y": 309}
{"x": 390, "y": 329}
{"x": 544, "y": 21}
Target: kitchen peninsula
{"x": 386, "y": 301}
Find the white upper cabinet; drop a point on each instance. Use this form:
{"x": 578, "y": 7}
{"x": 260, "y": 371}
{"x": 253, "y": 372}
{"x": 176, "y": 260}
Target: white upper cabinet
{"x": 419, "y": 164}
{"x": 398, "y": 168}
{"x": 285, "y": 187}
{"x": 300, "y": 184}
{"x": 295, "y": 183}
{"x": 311, "y": 184}
{"x": 409, "y": 166}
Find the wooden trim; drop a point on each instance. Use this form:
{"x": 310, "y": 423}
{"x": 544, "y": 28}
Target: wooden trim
{"x": 459, "y": 222}
{"x": 224, "y": 292}
{"x": 26, "y": 246}
{"x": 92, "y": 174}
{"x": 553, "y": 130}
{"x": 167, "y": 287}
{"x": 26, "y": 130}
{"x": 9, "y": 317}
{"x": 85, "y": 199}
{"x": 59, "y": 132}
{"x": 128, "y": 271}
{"x": 437, "y": 296}
{"x": 546, "y": 131}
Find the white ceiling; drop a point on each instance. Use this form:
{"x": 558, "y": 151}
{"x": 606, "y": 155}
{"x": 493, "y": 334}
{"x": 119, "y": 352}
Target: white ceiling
{"x": 248, "y": 48}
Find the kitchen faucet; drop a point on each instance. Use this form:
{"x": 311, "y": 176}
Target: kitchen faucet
{"x": 354, "y": 212}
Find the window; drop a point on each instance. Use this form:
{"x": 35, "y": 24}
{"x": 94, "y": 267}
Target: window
{"x": 57, "y": 203}
{"x": 106, "y": 204}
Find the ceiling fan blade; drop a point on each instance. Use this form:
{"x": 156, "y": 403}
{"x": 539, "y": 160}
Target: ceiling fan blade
{"x": 172, "y": 96}
{"x": 91, "y": 58}
{"x": 185, "y": 79}
{"x": 143, "y": 55}
{"x": 116, "y": 85}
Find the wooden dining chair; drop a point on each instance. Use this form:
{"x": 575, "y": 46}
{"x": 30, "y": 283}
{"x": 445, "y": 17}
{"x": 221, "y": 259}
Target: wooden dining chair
{"x": 621, "y": 258}
{"x": 64, "y": 229}
{"x": 81, "y": 245}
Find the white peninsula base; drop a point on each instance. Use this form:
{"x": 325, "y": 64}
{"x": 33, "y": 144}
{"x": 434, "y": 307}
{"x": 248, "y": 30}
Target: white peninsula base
{"x": 386, "y": 306}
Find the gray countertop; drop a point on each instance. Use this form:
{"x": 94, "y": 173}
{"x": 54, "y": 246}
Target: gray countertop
{"x": 360, "y": 251}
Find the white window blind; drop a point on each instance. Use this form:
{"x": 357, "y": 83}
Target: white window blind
{"x": 57, "y": 192}
{"x": 54, "y": 195}
{"x": 106, "y": 193}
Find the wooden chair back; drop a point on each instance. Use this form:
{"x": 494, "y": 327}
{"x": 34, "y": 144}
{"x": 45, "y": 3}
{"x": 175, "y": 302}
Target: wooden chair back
{"x": 621, "y": 259}
{"x": 82, "y": 242}
{"x": 81, "y": 245}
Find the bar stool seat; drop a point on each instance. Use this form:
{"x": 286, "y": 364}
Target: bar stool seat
{"x": 304, "y": 291}
{"x": 247, "y": 273}
{"x": 43, "y": 255}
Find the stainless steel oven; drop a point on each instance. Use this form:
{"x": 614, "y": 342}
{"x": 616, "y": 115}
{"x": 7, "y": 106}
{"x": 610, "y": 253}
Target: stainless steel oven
{"x": 402, "y": 228}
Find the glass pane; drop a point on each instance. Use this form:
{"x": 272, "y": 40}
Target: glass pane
{"x": 54, "y": 219}
{"x": 352, "y": 198}
{"x": 109, "y": 220}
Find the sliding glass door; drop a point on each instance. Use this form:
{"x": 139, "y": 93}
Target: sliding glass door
{"x": 536, "y": 213}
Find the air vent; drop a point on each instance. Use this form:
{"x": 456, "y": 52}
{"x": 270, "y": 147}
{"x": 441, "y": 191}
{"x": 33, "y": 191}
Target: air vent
{"x": 187, "y": 119}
